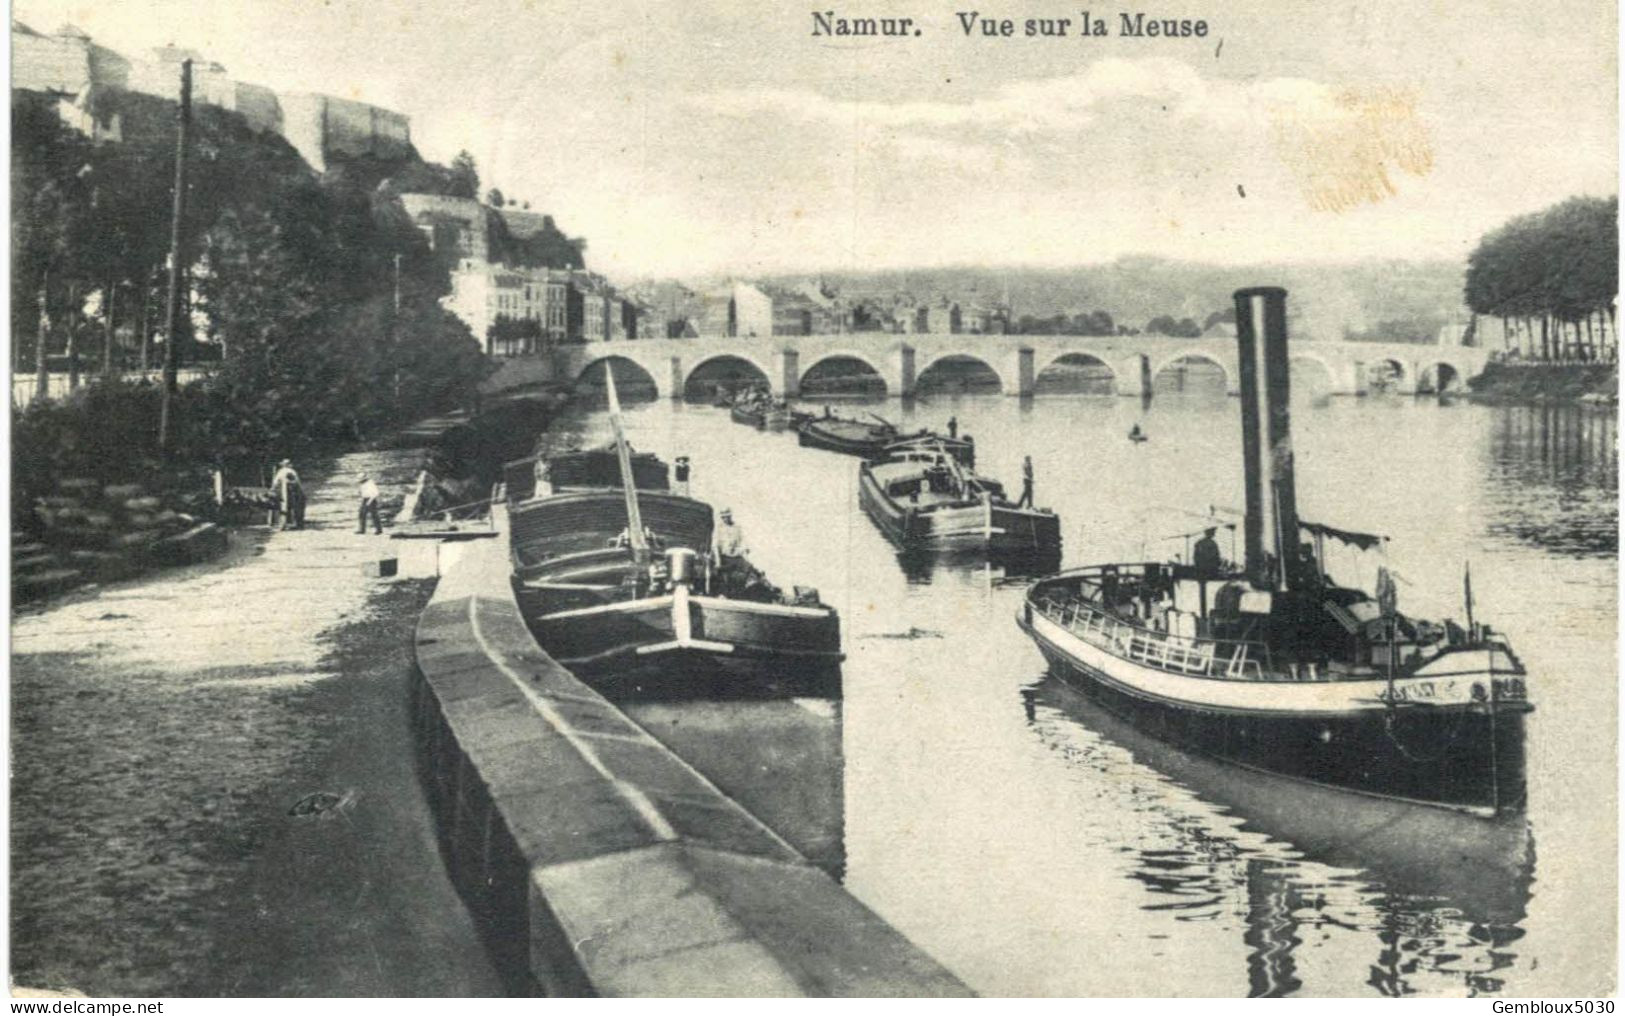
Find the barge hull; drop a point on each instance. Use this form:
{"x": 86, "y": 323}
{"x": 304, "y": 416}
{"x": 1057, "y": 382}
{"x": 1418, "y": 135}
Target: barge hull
{"x": 1012, "y": 531}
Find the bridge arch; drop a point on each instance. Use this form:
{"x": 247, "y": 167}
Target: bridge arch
{"x": 969, "y": 358}
{"x": 1078, "y": 358}
{"x": 634, "y": 382}
{"x": 877, "y": 370}
{"x": 1437, "y": 374}
{"x": 1324, "y": 370}
{"x": 731, "y": 368}
{"x": 1231, "y": 382}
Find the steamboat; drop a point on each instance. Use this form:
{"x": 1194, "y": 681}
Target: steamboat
{"x": 1273, "y": 665}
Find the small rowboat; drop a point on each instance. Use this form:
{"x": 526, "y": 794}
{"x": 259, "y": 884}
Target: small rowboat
{"x": 761, "y": 415}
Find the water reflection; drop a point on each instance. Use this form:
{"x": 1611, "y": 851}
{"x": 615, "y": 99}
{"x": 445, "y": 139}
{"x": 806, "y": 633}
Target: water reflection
{"x": 1440, "y": 896}
{"x": 1556, "y": 469}
{"x": 922, "y": 566}
{"x": 782, "y": 759}
{"x": 960, "y": 813}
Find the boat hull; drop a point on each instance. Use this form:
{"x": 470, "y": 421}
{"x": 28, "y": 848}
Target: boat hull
{"x": 863, "y": 445}
{"x": 994, "y": 529}
{"x": 686, "y": 639}
{"x": 759, "y": 418}
{"x": 1466, "y": 756}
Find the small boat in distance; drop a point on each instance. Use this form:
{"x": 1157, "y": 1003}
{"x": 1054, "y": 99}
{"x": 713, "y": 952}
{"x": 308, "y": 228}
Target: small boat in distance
{"x": 848, "y": 436}
{"x": 926, "y": 500}
{"x": 757, "y": 408}
{"x": 1274, "y": 665}
{"x": 876, "y": 438}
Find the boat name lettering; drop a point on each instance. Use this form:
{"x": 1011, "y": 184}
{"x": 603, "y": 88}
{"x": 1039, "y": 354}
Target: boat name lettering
{"x": 1419, "y": 690}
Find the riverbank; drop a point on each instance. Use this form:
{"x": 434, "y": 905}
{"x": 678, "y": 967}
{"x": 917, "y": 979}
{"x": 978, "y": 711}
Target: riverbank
{"x": 1504, "y": 382}
{"x": 212, "y": 789}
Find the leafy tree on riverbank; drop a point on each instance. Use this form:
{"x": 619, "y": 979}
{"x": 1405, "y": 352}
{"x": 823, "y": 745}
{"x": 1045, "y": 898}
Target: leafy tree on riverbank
{"x": 319, "y": 291}
{"x": 1560, "y": 267}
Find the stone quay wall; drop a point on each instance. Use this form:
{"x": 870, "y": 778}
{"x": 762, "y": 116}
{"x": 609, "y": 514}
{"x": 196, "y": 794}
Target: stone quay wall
{"x": 597, "y": 862}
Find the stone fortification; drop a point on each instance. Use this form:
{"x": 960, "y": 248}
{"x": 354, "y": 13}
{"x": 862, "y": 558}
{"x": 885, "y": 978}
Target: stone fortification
{"x": 68, "y": 62}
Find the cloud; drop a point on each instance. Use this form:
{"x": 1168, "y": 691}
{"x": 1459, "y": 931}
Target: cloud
{"x": 1052, "y": 104}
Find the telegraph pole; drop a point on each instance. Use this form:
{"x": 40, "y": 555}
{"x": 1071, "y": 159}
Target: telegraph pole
{"x": 172, "y": 315}
{"x": 42, "y": 375}
{"x": 395, "y": 342}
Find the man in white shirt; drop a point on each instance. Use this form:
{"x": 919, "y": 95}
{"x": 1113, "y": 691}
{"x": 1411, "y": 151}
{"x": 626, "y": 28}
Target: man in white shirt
{"x": 369, "y": 505}
{"x": 730, "y": 538}
{"x": 290, "y": 496}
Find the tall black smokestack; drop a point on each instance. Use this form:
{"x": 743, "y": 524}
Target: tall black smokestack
{"x": 1266, "y": 435}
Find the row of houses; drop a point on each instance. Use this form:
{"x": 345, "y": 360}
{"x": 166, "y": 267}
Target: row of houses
{"x": 518, "y": 309}
{"x": 747, "y": 309}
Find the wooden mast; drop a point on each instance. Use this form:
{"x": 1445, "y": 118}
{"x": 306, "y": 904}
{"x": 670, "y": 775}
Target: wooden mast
{"x": 623, "y": 455}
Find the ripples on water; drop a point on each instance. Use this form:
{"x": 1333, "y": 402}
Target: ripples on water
{"x": 1038, "y": 846}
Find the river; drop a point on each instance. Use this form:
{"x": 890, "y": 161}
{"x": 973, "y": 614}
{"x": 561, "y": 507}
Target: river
{"x": 1038, "y": 847}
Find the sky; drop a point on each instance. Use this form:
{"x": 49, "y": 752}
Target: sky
{"x": 689, "y": 138}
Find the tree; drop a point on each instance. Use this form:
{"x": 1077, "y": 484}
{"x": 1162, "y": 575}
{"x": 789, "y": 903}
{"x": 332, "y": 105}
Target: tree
{"x": 465, "y": 177}
{"x": 51, "y": 238}
{"x": 1559, "y": 265}
{"x": 494, "y": 198}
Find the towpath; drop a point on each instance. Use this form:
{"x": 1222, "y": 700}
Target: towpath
{"x": 213, "y": 788}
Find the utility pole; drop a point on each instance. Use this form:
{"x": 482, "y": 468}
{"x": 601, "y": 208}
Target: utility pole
{"x": 395, "y": 342}
{"x": 42, "y": 374}
{"x": 173, "y": 313}
{"x": 111, "y": 304}
{"x": 73, "y": 330}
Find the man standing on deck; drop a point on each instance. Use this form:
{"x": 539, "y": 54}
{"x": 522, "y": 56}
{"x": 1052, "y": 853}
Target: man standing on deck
{"x": 733, "y": 571}
{"x": 730, "y": 539}
{"x": 542, "y": 477}
{"x": 1205, "y": 556}
{"x": 682, "y": 475}
{"x": 953, "y": 426}
{"x": 369, "y": 506}
{"x": 1209, "y": 564}
{"x": 1026, "y": 482}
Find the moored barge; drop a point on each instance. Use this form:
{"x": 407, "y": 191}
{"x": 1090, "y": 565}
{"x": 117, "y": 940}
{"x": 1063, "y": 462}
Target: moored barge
{"x": 926, "y": 500}
{"x": 615, "y": 575}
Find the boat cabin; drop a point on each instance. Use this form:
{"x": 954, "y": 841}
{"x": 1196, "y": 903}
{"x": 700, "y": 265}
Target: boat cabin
{"x": 928, "y": 480}
{"x": 582, "y": 469}
{"x": 1221, "y": 624}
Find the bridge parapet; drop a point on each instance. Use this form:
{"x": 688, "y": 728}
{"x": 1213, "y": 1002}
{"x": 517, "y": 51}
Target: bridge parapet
{"x": 784, "y": 361}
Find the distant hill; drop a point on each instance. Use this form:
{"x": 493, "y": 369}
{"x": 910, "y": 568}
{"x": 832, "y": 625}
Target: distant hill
{"x": 1328, "y": 300}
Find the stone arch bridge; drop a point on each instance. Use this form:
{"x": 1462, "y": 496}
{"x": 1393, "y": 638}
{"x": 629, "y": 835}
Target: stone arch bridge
{"x": 1017, "y": 360}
